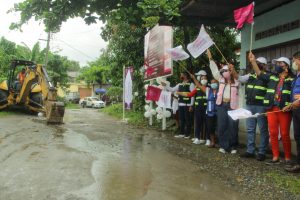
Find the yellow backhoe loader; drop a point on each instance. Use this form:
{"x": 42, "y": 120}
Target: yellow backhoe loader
{"x": 35, "y": 93}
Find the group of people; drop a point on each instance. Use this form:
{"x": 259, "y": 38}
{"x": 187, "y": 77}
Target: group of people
{"x": 275, "y": 96}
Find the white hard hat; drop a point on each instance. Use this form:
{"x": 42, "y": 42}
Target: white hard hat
{"x": 282, "y": 59}
{"x": 225, "y": 67}
{"x": 262, "y": 60}
{"x": 201, "y": 73}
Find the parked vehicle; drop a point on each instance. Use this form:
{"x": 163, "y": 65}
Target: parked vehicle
{"x": 92, "y": 102}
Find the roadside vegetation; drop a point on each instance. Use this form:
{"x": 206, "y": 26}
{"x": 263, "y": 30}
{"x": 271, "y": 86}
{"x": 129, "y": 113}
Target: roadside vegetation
{"x": 5, "y": 113}
{"x": 72, "y": 106}
{"x": 291, "y": 183}
{"x": 133, "y": 117}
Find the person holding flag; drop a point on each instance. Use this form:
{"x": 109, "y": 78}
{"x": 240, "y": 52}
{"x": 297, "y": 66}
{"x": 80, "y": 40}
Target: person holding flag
{"x": 200, "y": 107}
{"x": 278, "y": 96}
{"x": 227, "y": 99}
{"x": 255, "y": 92}
{"x": 295, "y": 107}
{"x": 185, "y": 104}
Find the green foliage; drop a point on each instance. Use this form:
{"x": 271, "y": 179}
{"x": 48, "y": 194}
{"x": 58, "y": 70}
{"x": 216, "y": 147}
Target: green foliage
{"x": 134, "y": 118}
{"x": 115, "y": 93}
{"x": 72, "y": 106}
{"x": 57, "y": 65}
{"x": 4, "y": 113}
{"x": 156, "y": 11}
{"x": 291, "y": 183}
{"x": 126, "y": 23}
{"x": 94, "y": 74}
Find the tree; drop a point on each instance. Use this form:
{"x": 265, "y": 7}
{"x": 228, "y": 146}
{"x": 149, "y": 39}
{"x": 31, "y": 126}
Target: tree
{"x": 126, "y": 23}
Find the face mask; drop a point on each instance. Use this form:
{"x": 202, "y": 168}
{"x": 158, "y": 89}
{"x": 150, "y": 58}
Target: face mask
{"x": 278, "y": 69}
{"x": 198, "y": 78}
{"x": 295, "y": 66}
{"x": 203, "y": 82}
{"x": 226, "y": 75}
{"x": 214, "y": 86}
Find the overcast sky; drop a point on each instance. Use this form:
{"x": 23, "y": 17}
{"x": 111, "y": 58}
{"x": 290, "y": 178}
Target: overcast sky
{"x": 76, "y": 40}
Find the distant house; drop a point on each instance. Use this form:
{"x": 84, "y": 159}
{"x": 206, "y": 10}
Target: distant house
{"x": 81, "y": 88}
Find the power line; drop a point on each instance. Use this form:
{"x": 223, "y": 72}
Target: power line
{"x": 76, "y": 49}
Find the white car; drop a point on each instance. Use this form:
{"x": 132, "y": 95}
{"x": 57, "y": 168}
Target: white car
{"x": 92, "y": 102}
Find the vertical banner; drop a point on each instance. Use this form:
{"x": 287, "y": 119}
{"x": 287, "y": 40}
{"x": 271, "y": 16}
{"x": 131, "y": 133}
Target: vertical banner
{"x": 128, "y": 87}
{"x": 157, "y": 61}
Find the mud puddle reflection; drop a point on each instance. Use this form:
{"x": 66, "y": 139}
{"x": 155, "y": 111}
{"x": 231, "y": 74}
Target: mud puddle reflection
{"x": 136, "y": 167}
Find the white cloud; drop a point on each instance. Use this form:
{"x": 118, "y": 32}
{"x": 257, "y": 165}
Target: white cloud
{"x": 76, "y": 40}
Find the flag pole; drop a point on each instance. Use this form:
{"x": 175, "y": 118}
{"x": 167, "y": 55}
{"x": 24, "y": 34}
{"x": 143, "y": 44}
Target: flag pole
{"x": 251, "y": 32}
{"x": 124, "y": 93}
{"x": 151, "y": 107}
{"x": 221, "y": 53}
{"x": 251, "y": 37}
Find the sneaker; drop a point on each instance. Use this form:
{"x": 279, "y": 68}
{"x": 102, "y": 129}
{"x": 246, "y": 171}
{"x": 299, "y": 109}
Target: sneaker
{"x": 207, "y": 143}
{"x": 179, "y": 136}
{"x": 260, "y": 157}
{"x": 193, "y": 139}
{"x": 273, "y": 162}
{"x": 197, "y": 142}
{"x": 294, "y": 169}
{"x": 247, "y": 155}
{"x": 202, "y": 141}
{"x": 233, "y": 151}
{"x": 186, "y": 137}
{"x": 221, "y": 150}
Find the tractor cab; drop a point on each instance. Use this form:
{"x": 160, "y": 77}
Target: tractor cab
{"x": 17, "y": 74}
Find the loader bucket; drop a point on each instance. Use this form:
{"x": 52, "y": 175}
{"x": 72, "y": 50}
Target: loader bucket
{"x": 55, "y": 112}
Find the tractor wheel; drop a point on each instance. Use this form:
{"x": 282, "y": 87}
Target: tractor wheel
{"x": 37, "y": 100}
{"x": 3, "y": 97}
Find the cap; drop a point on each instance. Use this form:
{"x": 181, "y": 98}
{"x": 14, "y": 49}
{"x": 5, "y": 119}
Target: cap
{"x": 282, "y": 59}
{"x": 201, "y": 73}
{"x": 262, "y": 60}
{"x": 225, "y": 67}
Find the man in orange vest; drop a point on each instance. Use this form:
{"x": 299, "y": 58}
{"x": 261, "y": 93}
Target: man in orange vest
{"x": 21, "y": 76}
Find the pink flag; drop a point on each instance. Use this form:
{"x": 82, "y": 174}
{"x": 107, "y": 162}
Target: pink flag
{"x": 244, "y": 15}
{"x": 153, "y": 93}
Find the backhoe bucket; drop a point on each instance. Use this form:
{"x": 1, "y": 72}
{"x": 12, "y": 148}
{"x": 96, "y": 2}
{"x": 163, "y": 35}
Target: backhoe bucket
{"x": 55, "y": 112}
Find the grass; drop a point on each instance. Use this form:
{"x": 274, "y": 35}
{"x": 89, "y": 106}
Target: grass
{"x": 5, "y": 113}
{"x": 72, "y": 106}
{"x": 134, "y": 118}
{"x": 291, "y": 183}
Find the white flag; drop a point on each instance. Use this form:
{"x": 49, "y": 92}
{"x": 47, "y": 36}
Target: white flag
{"x": 178, "y": 53}
{"x": 241, "y": 113}
{"x": 201, "y": 44}
{"x": 165, "y": 99}
{"x": 128, "y": 90}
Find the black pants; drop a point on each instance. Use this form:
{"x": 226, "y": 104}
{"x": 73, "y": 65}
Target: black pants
{"x": 296, "y": 123}
{"x": 211, "y": 124}
{"x": 185, "y": 120}
{"x": 200, "y": 128}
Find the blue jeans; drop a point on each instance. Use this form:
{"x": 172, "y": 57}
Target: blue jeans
{"x": 227, "y": 128}
{"x": 251, "y": 130}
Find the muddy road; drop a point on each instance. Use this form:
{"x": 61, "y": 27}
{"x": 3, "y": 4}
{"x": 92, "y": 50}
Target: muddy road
{"x": 95, "y": 157}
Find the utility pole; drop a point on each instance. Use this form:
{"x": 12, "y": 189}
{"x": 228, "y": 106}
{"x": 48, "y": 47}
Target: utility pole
{"x": 47, "y": 48}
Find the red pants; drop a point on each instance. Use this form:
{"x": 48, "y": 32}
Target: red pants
{"x": 280, "y": 121}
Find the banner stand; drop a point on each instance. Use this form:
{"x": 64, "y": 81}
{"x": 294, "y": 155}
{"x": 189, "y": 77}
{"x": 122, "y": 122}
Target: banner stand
{"x": 151, "y": 107}
{"x": 123, "y": 120}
